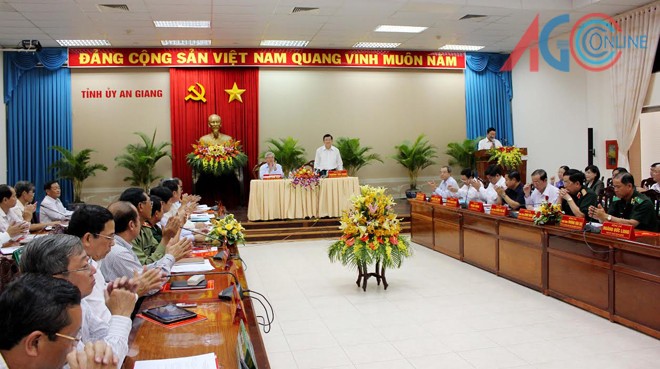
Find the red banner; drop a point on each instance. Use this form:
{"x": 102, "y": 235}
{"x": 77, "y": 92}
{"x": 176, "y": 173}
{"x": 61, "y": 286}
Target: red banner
{"x": 618, "y": 230}
{"x": 476, "y": 206}
{"x": 421, "y": 196}
{"x": 571, "y": 222}
{"x": 436, "y": 199}
{"x": 211, "y": 57}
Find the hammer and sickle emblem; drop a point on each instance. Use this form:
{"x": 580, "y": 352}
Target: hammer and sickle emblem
{"x": 198, "y": 96}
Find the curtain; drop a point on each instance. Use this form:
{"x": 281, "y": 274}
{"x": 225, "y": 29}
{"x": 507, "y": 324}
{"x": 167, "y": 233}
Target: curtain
{"x": 631, "y": 74}
{"x": 38, "y": 116}
{"x": 189, "y": 118}
{"x": 488, "y": 94}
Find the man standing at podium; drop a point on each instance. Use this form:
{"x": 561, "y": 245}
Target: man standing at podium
{"x": 490, "y": 141}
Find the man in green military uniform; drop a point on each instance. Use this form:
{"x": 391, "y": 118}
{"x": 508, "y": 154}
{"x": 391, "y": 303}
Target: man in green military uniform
{"x": 575, "y": 198}
{"x": 632, "y": 207}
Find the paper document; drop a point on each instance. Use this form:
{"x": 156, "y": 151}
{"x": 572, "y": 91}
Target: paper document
{"x": 187, "y": 268}
{"x": 206, "y": 361}
{"x": 9, "y": 250}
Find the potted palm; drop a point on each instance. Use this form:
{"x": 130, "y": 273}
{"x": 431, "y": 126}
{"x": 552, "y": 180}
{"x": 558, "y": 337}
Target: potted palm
{"x": 76, "y": 167}
{"x": 415, "y": 157}
{"x": 462, "y": 153}
{"x": 141, "y": 158}
{"x": 353, "y": 155}
{"x": 287, "y": 152}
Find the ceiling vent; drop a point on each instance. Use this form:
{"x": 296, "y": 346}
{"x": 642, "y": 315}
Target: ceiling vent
{"x": 472, "y": 16}
{"x": 305, "y": 10}
{"x": 112, "y": 8}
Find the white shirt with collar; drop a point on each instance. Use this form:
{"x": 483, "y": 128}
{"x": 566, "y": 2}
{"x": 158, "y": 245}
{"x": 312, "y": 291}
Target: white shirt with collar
{"x": 536, "y": 198}
{"x": 114, "y": 333}
{"x": 265, "y": 169}
{"x": 18, "y": 209}
{"x": 469, "y": 193}
{"x": 489, "y": 195}
{"x": 52, "y": 210}
{"x": 486, "y": 144}
{"x": 326, "y": 159}
{"x": 96, "y": 299}
{"x": 6, "y": 219}
{"x": 656, "y": 187}
{"x": 443, "y": 188}
{"x": 3, "y": 363}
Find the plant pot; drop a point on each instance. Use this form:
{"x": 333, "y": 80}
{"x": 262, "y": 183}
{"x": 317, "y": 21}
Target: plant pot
{"x": 411, "y": 193}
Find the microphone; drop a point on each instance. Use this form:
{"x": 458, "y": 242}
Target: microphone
{"x": 225, "y": 294}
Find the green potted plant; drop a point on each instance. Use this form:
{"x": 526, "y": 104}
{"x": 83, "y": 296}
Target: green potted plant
{"x": 353, "y": 155}
{"x": 462, "y": 153}
{"x": 415, "y": 157}
{"x": 76, "y": 167}
{"x": 140, "y": 159}
{"x": 287, "y": 152}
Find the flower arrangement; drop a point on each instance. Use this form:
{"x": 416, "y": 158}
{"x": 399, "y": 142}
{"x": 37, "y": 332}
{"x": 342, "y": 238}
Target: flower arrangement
{"x": 216, "y": 159}
{"x": 548, "y": 213}
{"x": 508, "y": 157}
{"x": 306, "y": 178}
{"x": 370, "y": 232}
{"x": 227, "y": 228}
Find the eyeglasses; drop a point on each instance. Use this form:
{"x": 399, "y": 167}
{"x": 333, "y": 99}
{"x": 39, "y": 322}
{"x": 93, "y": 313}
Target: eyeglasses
{"x": 87, "y": 267}
{"x": 74, "y": 340}
{"x": 111, "y": 237}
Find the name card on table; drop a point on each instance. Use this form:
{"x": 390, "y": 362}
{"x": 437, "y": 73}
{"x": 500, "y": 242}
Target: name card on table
{"x": 499, "y": 210}
{"x": 452, "y": 202}
{"x": 421, "y": 196}
{"x": 618, "y": 230}
{"x": 526, "y": 215}
{"x": 476, "y": 206}
{"x": 337, "y": 173}
{"x": 571, "y": 222}
{"x": 271, "y": 176}
{"x": 436, "y": 199}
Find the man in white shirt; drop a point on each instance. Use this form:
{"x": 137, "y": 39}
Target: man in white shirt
{"x": 447, "y": 183}
{"x": 467, "y": 191}
{"x": 270, "y": 167}
{"x": 543, "y": 191}
{"x": 25, "y": 208}
{"x": 490, "y": 141}
{"x": 63, "y": 256}
{"x": 11, "y": 227}
{"x": 655, "y": 174}
{"x": 494, "y": 175}
{"x": 327, "y": 157}
{"x": 51, "y": 207}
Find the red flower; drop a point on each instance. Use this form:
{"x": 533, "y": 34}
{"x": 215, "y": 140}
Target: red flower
{"x": 364, "y": 238}
{"x": 379, "y": 240}
{"x": 547, "y": 198}
{"x": 538, "y": 214}
{"x": 350, "y": 242}
{"x": 394, "y": 240}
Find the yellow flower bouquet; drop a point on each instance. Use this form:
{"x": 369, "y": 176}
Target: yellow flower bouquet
{"x": 216, "y": 159}
{"x": 227, "y": 228}
{"x": 508, "y": 157}
{"x": 371, "y": 232}
{"x": 548, "y": 213}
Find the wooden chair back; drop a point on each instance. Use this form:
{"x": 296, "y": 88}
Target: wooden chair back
{"x": 255, "y": 170}
{"x": 605, "y": 197}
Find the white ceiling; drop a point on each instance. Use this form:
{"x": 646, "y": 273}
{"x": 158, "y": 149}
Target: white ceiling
{"x": 338, "y": 23}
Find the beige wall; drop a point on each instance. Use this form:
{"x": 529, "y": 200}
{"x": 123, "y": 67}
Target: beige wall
{"x": 381, "y": 107}
{"x": 107, "y": 124}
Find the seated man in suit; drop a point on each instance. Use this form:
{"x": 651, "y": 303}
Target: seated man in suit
{"x": 575, "y": 198}
{"x": 514, "y": 196}
{"x": 543, "y": 191}
{"x": 40, "y": 320}
{"x": 490, "y": 142}
{"x": 51, "y": 207}
{"x": 631, "y": 208}
{"x": 270, "y": 167}
{"x": 494, "y": 174}
{"x": 447, "y": 182}
{"x": 63, "y": 256}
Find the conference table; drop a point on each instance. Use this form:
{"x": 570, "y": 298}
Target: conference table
{"x": 614, "y": 278}
{"x": 279, "y": 199}
{"x": 217, "y": 334}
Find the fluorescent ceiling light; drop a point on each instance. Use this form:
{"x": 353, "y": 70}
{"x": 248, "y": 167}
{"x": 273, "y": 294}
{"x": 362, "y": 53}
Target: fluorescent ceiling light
{"x": 70, "y": 43}
{"x": 182, "y": 24}
{"x": 462, "y": 47}
{"x": 284, "y": 43}
{"x": 185, "y": 42}
{"x": 401, "y": 29}
{"x": 377, "y": 45}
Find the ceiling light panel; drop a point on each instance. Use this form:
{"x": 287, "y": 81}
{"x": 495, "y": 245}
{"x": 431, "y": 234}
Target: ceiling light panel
{"x": 74, "y": 43}
{"x": 185, "y": 42}
{"x": 462, "y": 47}
{"x": 376, "y": 45}
{"x": 284, "y": 43}
{"x": 400, "y": 29}
{"x": 182, "y": 24}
